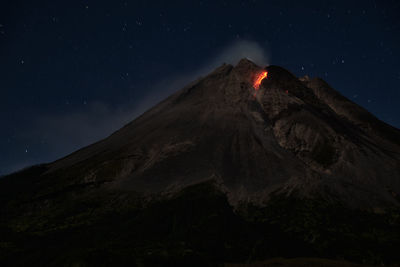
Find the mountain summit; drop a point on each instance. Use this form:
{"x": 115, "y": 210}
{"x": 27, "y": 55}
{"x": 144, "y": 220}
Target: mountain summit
{"x": 290, "y": 136}
{"x": 251, "y": 140}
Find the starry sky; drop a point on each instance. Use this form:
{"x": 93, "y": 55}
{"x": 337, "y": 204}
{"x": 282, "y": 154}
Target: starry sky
{"x": 72, "y": 72}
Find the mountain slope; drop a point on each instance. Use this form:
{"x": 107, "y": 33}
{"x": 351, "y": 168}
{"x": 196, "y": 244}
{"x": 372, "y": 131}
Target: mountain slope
{"x": 288, "y": 137}
{"x": 245, "y": 156}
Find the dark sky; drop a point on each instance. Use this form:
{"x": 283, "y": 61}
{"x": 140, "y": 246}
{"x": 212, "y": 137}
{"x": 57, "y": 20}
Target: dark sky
{"x": 72, "y": 72}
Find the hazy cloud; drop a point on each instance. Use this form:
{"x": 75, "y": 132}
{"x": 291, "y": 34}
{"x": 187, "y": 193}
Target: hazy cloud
{"x": 242, "y": 49}
{"x": 65, "y": 133}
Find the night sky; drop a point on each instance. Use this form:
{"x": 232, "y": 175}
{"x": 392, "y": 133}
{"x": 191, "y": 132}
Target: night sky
{"x": 72, "y": 72}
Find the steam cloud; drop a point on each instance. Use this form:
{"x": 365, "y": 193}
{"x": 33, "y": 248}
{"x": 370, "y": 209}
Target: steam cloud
{"x": 66, "y": 133}
{"x": 242, "y": 49}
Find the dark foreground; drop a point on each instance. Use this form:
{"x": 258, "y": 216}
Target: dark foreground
{"x": 197, "y": 227}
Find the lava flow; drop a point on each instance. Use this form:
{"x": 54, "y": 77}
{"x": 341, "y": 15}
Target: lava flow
{"x": 260, "y": 77}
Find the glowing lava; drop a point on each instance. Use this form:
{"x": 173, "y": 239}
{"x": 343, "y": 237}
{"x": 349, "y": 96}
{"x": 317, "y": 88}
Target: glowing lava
{"x": 260, "y": 77}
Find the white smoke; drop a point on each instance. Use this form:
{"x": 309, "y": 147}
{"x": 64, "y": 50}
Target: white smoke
{"x": 65, "y": 133}
{"x": 242, "y": 49}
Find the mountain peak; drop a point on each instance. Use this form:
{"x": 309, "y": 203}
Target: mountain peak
{"x": 245, "y": 155}
{"x": 288, "y": 135}
{"x": 245, "y": 62}
{"x": 247, "y": 69}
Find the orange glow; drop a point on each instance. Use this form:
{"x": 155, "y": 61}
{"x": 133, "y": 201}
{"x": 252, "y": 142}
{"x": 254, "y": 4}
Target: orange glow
{"x": 260, "y": 77}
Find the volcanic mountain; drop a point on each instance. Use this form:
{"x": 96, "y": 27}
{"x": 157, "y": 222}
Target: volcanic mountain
{"x": 235, "y": 161}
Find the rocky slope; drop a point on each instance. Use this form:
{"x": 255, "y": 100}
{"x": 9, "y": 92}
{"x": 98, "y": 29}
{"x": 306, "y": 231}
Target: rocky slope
{"x": 292, "y": 136}
{"x": 240, "y": 152}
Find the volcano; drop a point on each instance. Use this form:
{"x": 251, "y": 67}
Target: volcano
{"x": 245, "y": 164}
